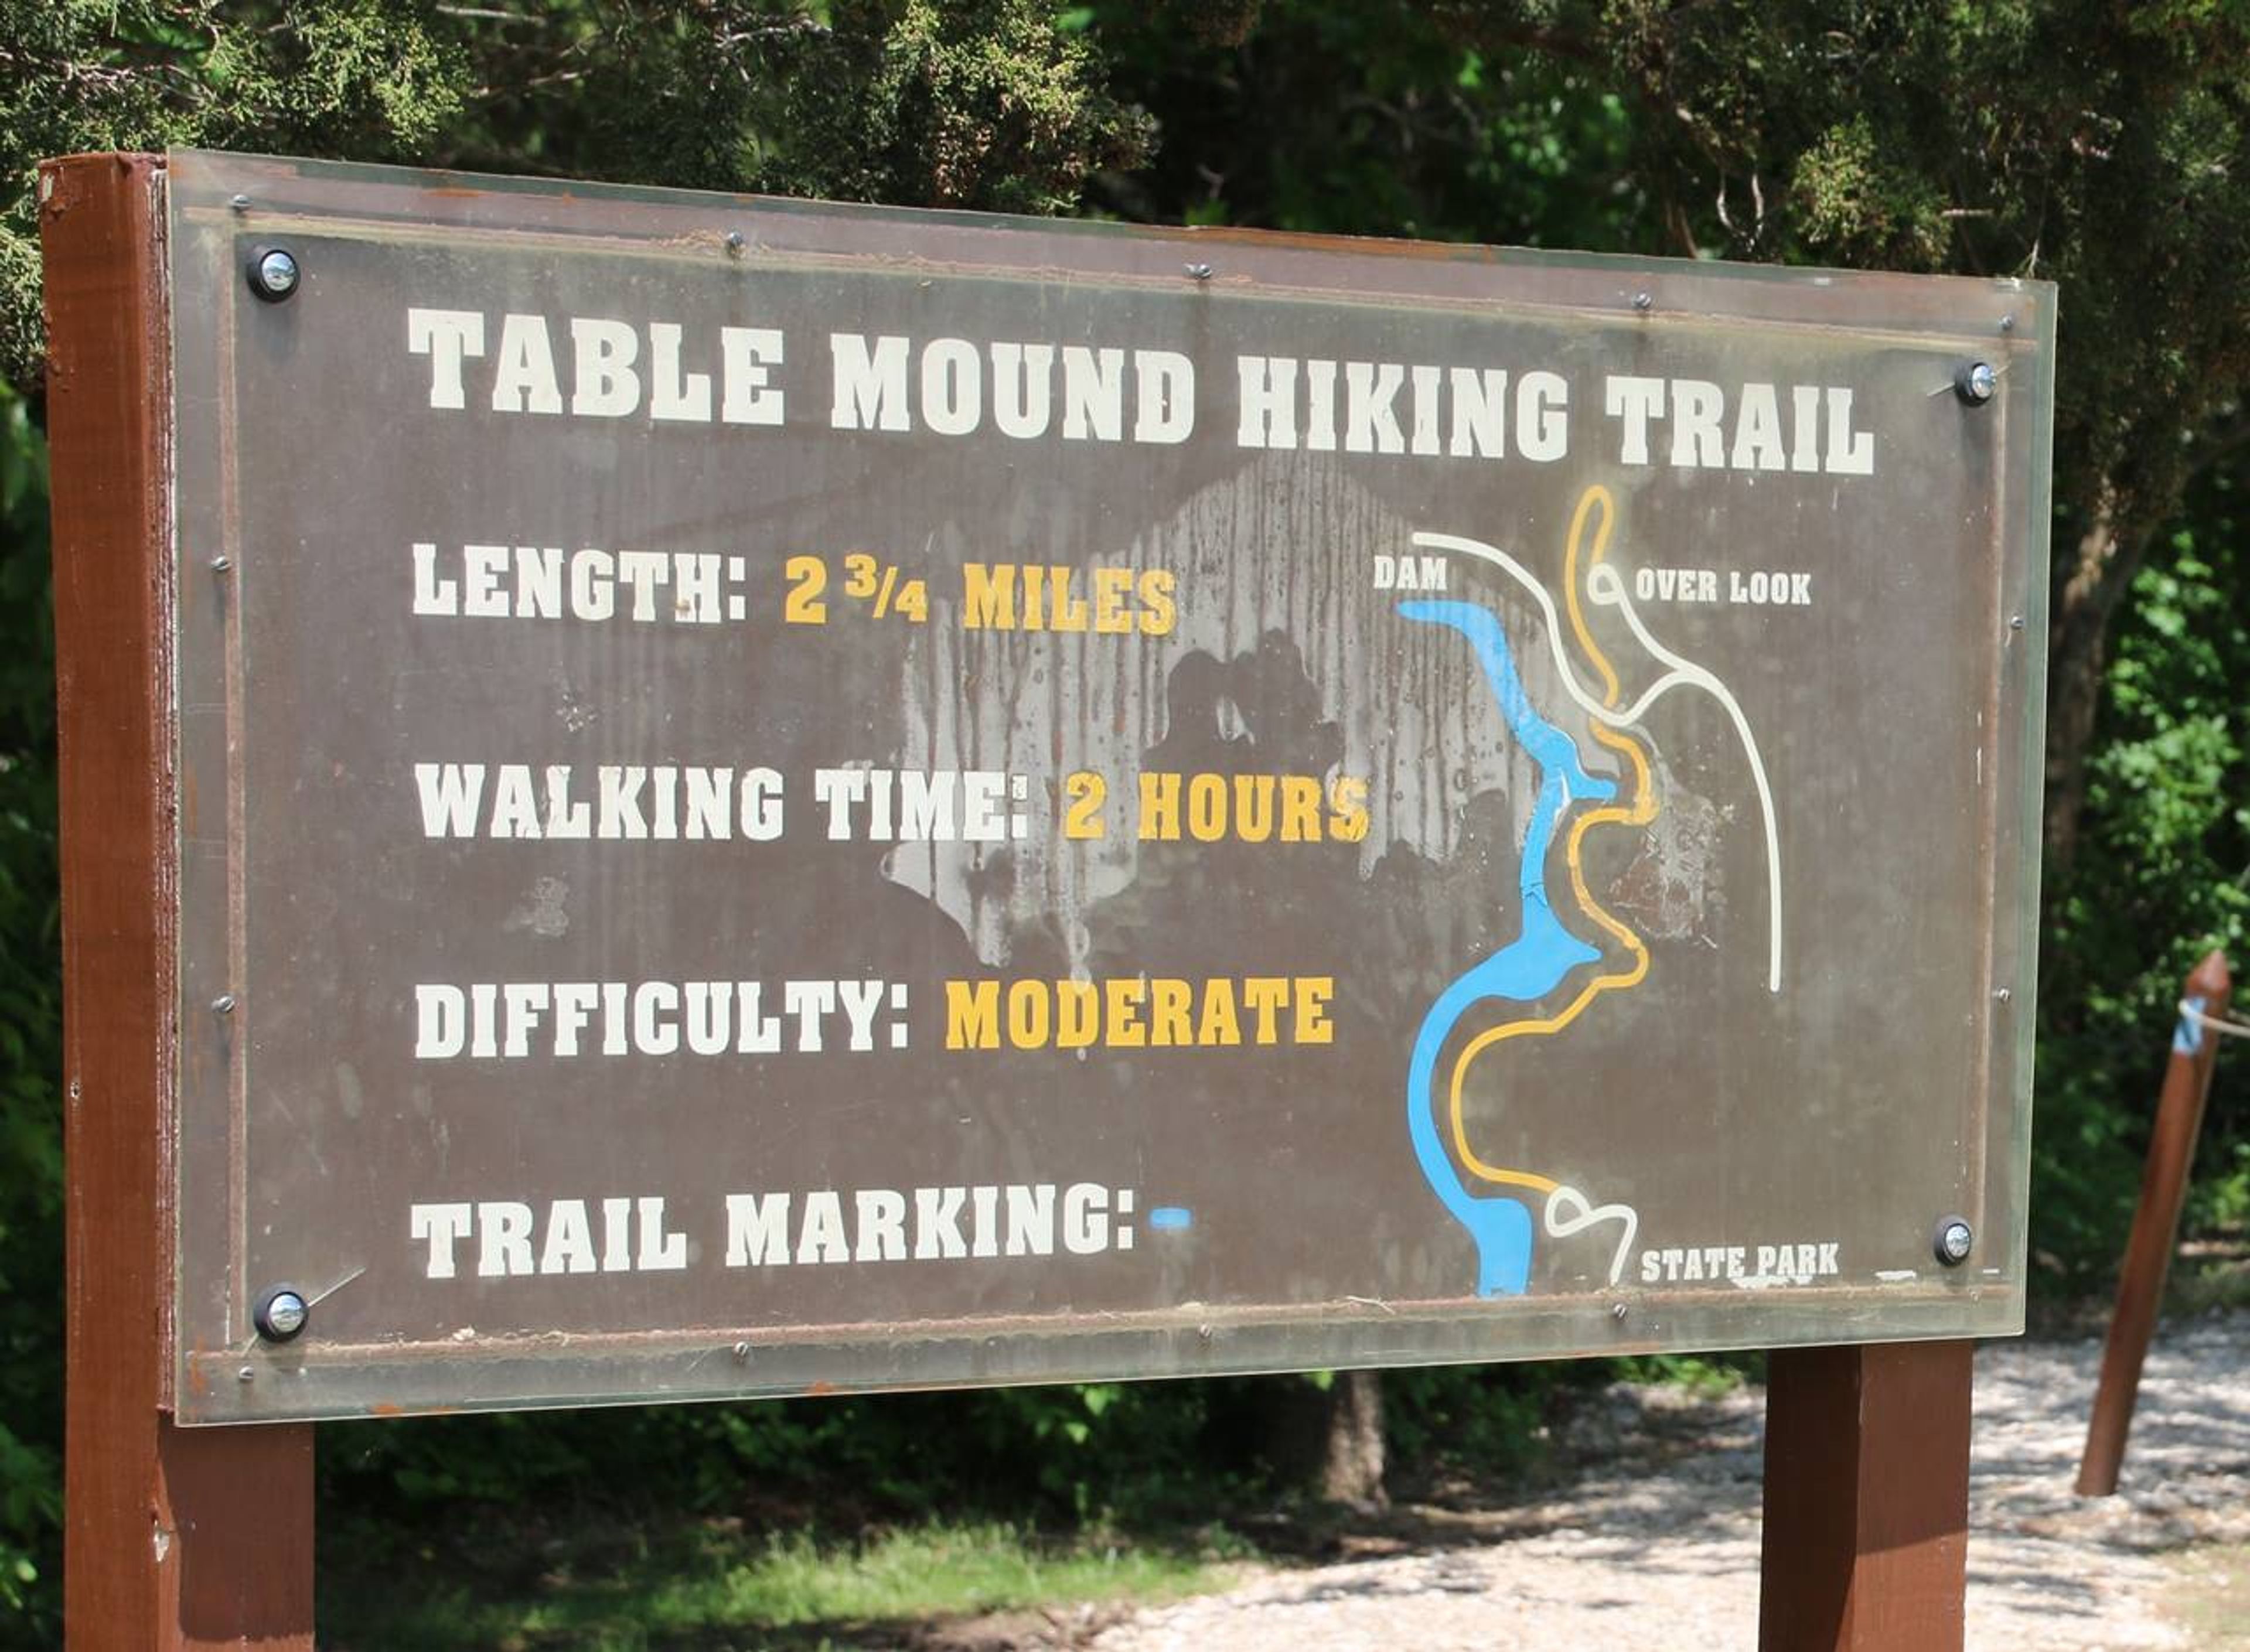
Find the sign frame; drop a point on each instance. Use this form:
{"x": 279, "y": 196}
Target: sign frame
{"x": 243, "y": 201}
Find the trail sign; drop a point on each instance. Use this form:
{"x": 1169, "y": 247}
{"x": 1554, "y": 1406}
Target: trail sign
{"x": 776, "y": 798}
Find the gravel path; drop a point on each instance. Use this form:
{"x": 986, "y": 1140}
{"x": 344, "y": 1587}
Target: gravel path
{"x": 1624, "y": 1559}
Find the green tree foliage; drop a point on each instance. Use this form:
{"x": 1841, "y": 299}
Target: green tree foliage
{"x": 372, "y": 78}
{"x": 2163, "y": 875}
{"x": 31, "y": 1028}
{"x": 1367, "y": 119}
{"x": 989, "y": 104}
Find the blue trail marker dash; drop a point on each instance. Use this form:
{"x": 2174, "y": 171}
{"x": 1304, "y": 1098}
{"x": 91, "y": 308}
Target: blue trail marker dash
{"x": 1171, "y": 1219}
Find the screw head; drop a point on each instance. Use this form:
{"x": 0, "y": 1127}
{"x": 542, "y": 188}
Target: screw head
{"x": 1642, "y": 300}
{"x": 223, "y": 1004}
{"x": 273, "y": 273}
{"x": 1977, "y": 383}
{"x": 734, "y": 242}
{"x": 1953, "y": 1241}
{"x": 239, "y": 203}
{"x": 1200, "y": 272}
{"x": 282, "y": 1313}
{"x": 743, "y": 1352}
{"x": 1618, "y": 1311}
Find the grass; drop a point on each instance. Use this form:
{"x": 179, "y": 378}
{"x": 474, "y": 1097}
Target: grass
{"x": 2210, "y": 1597}
{"x": 702, "y": 1586}
{"x": 1706, "y": 1376}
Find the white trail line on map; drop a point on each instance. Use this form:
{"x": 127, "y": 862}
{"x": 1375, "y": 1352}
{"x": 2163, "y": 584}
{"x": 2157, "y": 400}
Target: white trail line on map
{"x": 1562, "y": 1226}
{"x": 1604, "y": 586}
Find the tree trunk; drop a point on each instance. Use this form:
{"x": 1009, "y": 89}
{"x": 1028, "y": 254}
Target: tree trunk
{"x": 1328, "y": 1441}
{"x": 1351, "y": 1468}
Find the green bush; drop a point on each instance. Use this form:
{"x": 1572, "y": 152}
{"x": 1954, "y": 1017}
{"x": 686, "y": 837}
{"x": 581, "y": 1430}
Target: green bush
{"x": 2164, "y": 875}
{"x": 31, "y": 1038}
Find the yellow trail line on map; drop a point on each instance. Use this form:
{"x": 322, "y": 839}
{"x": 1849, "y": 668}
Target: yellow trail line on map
{"x": 1639, "y": 812}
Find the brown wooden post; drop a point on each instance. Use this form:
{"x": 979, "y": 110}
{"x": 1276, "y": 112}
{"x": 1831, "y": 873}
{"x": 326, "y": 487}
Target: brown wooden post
{"x": 174, "y": 1538}
{"x": 2155, "y": 1228}
{"x": 1867, "y": 1498}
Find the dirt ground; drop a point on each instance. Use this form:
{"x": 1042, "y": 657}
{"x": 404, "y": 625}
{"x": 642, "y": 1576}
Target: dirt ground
{"x": 1651, "y": 1539}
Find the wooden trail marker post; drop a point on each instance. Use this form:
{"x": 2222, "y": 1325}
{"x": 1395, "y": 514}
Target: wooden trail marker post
{"x": 2208, "y": 991}
{"x": 673, "y": 797}
{"x": 176, "y": 1538}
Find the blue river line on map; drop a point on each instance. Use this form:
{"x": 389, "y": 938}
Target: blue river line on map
{"x": 1524, "y": 971}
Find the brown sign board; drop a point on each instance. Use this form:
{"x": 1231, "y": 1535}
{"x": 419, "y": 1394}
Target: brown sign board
{"x": 779, "y": 797}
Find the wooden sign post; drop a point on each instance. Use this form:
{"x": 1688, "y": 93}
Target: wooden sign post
{"x": 176, "y": 1538}
{"x": 1865, "y": 1540}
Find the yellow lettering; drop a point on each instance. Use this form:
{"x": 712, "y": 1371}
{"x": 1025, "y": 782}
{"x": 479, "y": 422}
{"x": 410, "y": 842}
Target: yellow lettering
{"x": 1122, "y": 997}
{"x": 988, "y": 598}
{"x": 1158, "y": 612}
{"x": 1207, "y": 808}
{"x": 1078, "y": 1013}
{"x": 1069, "y": 611}
{"x": 1266, "y": 994}
{"x": 972, "y": 1015}
{"x": 1167, "y": 1013}
{"x": 1253, "y": 808}
{"x": 1028, "y": 1010}
{"x": 1348, "y": 809}
{"x": 1159, "y": 809}
{"x": 1112, "y": 614}
{"x": 1220, "y": 1026}
{"x": 1082, "y": 820}
{"x": 1135, "y": 1012}
{"x": 1301, "y": 809}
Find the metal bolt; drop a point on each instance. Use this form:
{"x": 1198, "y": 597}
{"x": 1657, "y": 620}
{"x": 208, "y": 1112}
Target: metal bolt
{"x": 1203, "y": 1333}
{"x": 2007, "y": 324}
{"x": 1977, "y": 383}
{"x": 1200, "y": 272}
{"x": 2001, "y": 995}
{"x": 734, "y": 242}
{"x": 223, "y": 1004}
{"x": 1642, "y": 301}
{"x": 246, "y": 1375}
{"x": 239, "y": 203}
{"x": 273, "y": 273}
{"x": 2015, "y": 622}
{"x": 1617, "y": 1312}
{"x": 220, "y": 564}
{"x": 280, "y": 1313}
{"x": 1953, "y": 1241}
{"x": 743, "y": 1352}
